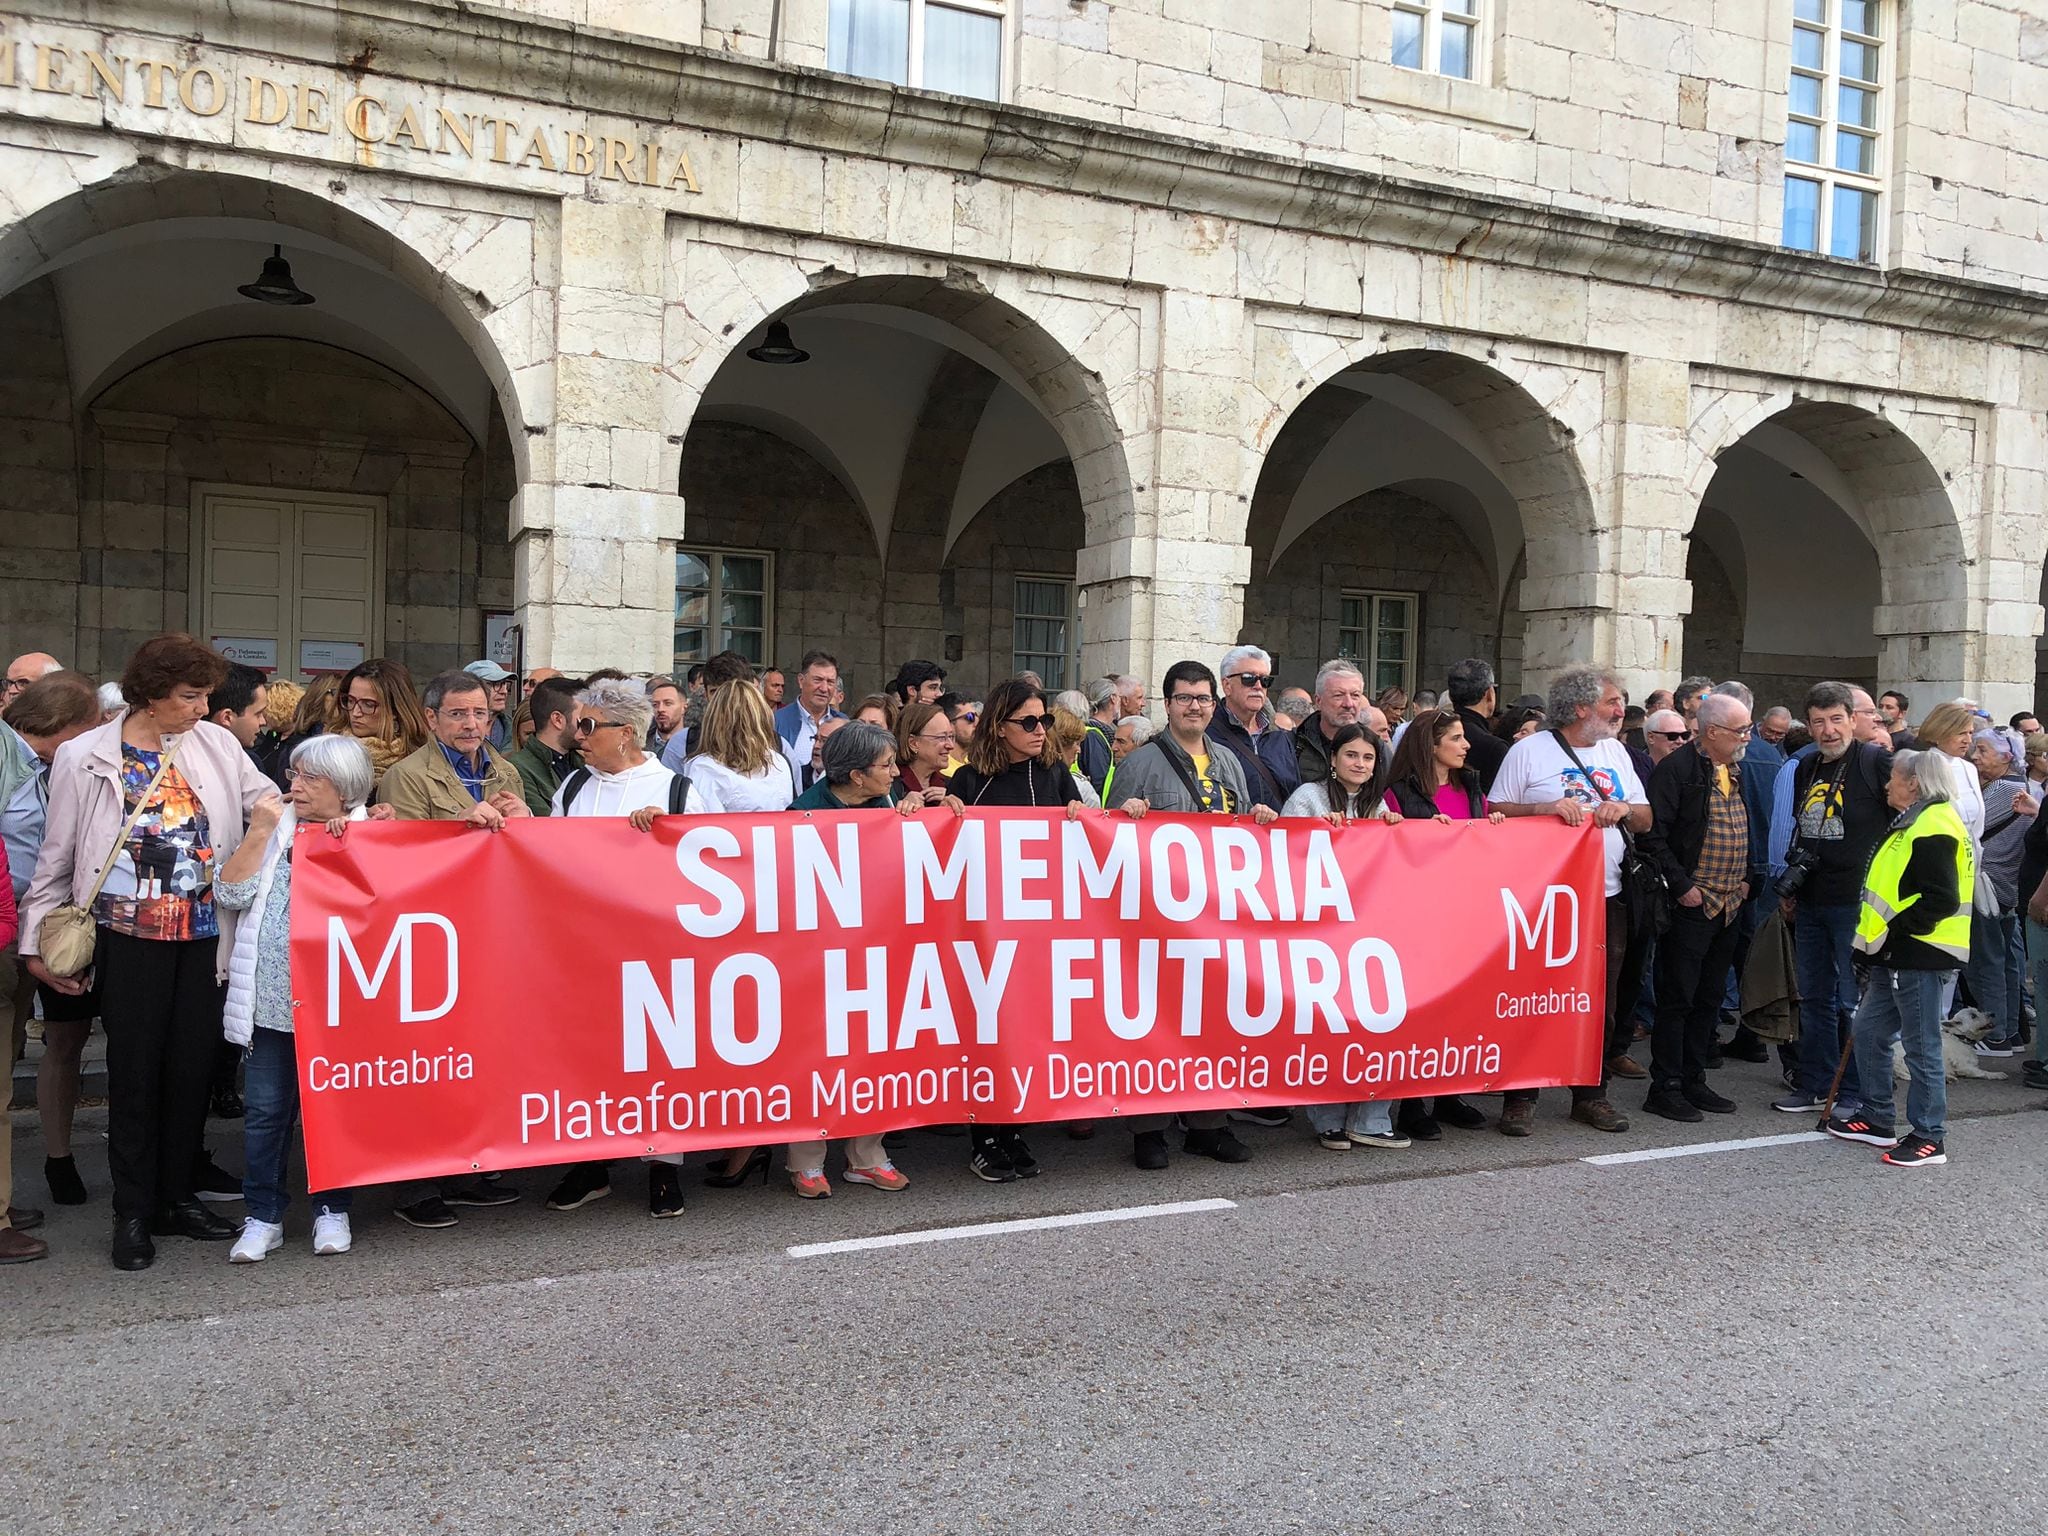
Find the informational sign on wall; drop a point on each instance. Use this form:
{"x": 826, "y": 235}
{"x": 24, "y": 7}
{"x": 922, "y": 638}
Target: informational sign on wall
{"x": 317, "y": 656}
{"x": 260, "y": 654}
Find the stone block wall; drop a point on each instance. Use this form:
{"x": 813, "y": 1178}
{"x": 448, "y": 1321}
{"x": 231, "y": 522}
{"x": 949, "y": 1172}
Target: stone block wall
{"x": 1384, "y": 541}
{"x": 1032, "y": 528}
{"x": 39, "y": 542}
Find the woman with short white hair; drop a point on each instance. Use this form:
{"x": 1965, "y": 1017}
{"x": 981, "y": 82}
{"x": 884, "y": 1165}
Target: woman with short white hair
{"x": 330, "y": 781}
{"x": 619, "y": 778}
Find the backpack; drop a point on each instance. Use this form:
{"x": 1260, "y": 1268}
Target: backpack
{"x": 678, "y": 790}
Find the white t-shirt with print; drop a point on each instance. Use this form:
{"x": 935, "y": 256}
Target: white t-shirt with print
{"x": 1536, "y": 771}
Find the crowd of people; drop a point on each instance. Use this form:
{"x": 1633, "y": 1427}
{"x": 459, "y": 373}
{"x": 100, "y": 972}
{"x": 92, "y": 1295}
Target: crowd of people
{"x": 146, "y": 857}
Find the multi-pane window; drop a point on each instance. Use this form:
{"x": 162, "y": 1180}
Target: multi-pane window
{"x": 724, "y": 602}
{"x": 1438, "y": 37}
{"x": 1377, "y": 630}
{"x": 1835, "y": 112}
{"x": 1048, "y": 640}
{"x": 935, "y": 45}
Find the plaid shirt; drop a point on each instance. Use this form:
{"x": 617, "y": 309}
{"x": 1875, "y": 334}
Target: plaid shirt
{"x": 1724, "y": 853}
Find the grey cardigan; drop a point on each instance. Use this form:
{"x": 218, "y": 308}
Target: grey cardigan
{"x": 1148, "y": 775}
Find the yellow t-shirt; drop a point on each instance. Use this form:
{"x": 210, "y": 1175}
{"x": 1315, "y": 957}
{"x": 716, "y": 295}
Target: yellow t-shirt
{"x": 1201, "y": 764}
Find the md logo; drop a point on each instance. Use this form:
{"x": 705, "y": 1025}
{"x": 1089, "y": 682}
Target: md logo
{"x": 1555, "y": 924}
{"x": 341, "y": 948}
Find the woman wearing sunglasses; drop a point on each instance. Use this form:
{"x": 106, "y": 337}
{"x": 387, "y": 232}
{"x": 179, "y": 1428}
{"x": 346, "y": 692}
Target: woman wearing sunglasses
{"x": 1007, "y": 766}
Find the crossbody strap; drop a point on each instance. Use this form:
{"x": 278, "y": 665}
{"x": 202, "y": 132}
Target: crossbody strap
{"x": 121, "y": 839}
{"x": 1628, "y": 838}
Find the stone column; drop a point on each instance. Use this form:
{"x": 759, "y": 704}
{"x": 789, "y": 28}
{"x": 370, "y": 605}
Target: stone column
{"x": 595, "y": 526}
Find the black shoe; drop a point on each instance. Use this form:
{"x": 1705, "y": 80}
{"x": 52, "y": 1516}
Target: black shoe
{"x": 1219, "y": 1144}
{"x": 1746, "y": 1047}
{"x": 1700, "y": 1096}
{"x": 583, "y": 1183}
{"x": 664, "y": 1190}
{"x": 1272, "y": 1118}
{"x": 1916, "y": 1152}
{"x": 991, "y": 1164}
{"x": 61, "y": 1174}
{"x": 2034, "y": 1074}
{"x": 1671, "y": 1103}
{"x": 757, "y": 1162}
{"x": 1455, "y": 1112}
{"x": 214, "y": 1184}
{"x": 1418, "y": 1125}
{"x": 1148, "y": 1149}
{"x": 429, "y": 1211}
{"x": 1022, "y": 1163}
{"x": 1714, "y": 1060}
{"x": 132, "y": 1247}
{"x": 226, "y": 1104}
{"x": 479, "y": 1194}
{"x": 188, "y": 1218}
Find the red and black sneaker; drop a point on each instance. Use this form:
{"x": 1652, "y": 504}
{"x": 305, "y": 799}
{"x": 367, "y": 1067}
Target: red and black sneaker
{"x": 1856, "y": 1128}
{"x": 1916, "y": 1152}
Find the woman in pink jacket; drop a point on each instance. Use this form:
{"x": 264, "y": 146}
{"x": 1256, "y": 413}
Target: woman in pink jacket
{"x": 163, "y": 947}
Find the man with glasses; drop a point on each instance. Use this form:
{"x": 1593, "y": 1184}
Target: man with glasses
{"x": 1181, "y": 770}
{"x": 1775, "y": 726}
{"x": 31, "y": 668}
{"x": 1712, "y": 853}
{"x": 1664, "y": 733}
{"x": 1244, "y": 727}
{"x": 1340, "y": 700}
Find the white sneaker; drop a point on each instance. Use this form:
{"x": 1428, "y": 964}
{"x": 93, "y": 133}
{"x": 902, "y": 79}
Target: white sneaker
{"x": 330, "y": 1232}
{"x": 258, "y": 1241}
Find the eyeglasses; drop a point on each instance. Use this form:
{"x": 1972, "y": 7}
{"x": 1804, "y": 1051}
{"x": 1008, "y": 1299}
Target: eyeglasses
{"x": 945, "y": 736}
{"x": 356, "y": 706}
{"x": 1250, "y": 679}
{"x": 1032, "y": 723}
{"x": 1192, "y": 701}
{"x": 302, "y": 775}
{"x": 463, "y": 716}
{"x": 969, "y": 715}
{"x": 591, "y": 727}
{"x": 17, "y": 684}
{"x": 1672, "y": 736}
{"x": 1739, "y": 732}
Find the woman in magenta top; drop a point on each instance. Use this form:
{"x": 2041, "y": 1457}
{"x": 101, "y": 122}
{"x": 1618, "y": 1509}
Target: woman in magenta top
{"x": 1429, "y": 779}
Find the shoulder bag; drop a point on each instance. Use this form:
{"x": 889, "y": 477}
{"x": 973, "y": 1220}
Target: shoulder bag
{"x": 67, "y": 935}
{"x": 1644, "y": 889}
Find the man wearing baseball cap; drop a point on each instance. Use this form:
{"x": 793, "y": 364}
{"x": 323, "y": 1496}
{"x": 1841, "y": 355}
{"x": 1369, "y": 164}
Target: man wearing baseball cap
{"x": 498, "y": 686}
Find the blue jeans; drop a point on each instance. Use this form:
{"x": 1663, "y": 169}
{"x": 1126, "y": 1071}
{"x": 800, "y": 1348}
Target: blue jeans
{"x": 1823, "y": 941}
{"x": 1373, "y": 1117}
{"x": 1989, "y": 973}
{"x": 1904, "y": 1006}
{"x": 270, "y": 1094}
{"x": 2037, "y": 967}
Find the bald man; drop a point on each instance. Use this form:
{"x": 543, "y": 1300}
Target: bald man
{"x": 32, "y": 668}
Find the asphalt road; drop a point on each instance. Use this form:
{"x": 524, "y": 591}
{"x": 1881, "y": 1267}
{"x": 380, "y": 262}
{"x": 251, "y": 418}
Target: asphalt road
{"x": 1480, "y": 1335}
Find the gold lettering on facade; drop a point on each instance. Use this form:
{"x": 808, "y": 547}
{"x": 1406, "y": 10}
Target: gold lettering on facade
{"x": 500, "y": 127}
{"x": 308, "y": 102}
{"x": 269, "y": 102}
{"x": 682, "y": 173}
{"x": 616, "y": 151}
{"x": 50, "y": 68}
{"x": 539, "y": 147}
{"x": 154, "y": 73}
{"x": 355, "y": 117}
{"x": 6, "y": 61}
{"x": 581, "y": 158}
{"x": 216, "y": 93}
{"x": 462, "y": 130}
{"x": 408, "y": 127}
{"x": 104, "y": 74}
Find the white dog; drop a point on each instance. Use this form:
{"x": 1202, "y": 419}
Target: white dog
{"x": 1958, "y": 1035}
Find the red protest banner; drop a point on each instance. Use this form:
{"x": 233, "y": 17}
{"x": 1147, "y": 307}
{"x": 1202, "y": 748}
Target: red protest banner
{"x": 573, "y": 989}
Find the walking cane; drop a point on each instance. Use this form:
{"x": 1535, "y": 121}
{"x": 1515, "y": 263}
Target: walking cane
{"x": 1841, "y": 1070}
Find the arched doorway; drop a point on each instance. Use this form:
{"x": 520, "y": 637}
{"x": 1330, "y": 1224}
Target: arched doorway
{"x": 1826, "y": 546}
{"x": 919, "y": 484}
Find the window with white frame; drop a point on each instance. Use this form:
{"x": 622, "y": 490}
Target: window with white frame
{"x": 1048, "y": 637}
{"x": 1834, "y": 141}
{"x": 934, "y": 45}
{"x": 1438, "y": 37}
{"x": 1377, "y": 630}
{"x": 724, "y": 602}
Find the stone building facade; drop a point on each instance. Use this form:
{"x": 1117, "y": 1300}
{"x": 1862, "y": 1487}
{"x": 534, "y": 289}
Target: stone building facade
{"x": 1404, "y": 328}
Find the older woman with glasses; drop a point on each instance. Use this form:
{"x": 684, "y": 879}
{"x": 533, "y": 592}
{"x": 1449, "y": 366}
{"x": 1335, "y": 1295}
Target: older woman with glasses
{"x": 330, "y": 785}
{"x": 619, "y": 778}
{"x": 859, "y": 774}
{"x": 924, "y": 747}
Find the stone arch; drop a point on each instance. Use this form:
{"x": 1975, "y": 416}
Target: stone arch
{"x": 474, "y": 265}
{"x": 1864, "y": 454}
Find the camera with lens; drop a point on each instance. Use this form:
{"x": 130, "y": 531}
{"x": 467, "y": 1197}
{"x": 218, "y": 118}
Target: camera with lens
{"x": 1799, "y": 863}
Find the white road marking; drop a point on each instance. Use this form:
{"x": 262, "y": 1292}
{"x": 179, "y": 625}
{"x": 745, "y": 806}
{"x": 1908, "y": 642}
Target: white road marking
{"x": 997, "y": 1228}
{"x": 1654, "y": 1154}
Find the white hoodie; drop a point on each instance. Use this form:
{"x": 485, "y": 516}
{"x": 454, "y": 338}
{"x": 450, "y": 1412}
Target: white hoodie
{"x": 621, "y": 794}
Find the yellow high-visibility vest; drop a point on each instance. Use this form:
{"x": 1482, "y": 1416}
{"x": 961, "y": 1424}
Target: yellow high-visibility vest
{"x": 1883, "y": 901}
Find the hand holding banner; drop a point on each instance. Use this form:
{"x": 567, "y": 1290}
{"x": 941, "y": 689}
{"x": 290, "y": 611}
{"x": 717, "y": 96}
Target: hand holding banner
{"x": 567, "y": 990}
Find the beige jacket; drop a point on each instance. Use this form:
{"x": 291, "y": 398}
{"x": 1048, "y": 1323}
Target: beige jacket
{"x": 86, "y": 812}
{"x": 423, "y": 787}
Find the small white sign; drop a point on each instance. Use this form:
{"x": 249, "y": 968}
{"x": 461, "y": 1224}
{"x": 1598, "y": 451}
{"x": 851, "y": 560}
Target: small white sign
{"x": 317, "y": 656}
{"x": 260, "y": 654}
{"x": 501, "y": 640}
